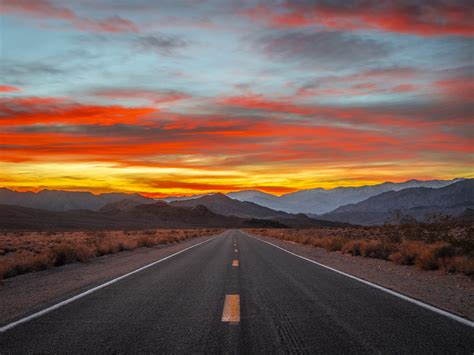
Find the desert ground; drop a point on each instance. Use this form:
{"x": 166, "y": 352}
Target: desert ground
{"x": 431, "y": 263}
{"x": 26, "y": 251}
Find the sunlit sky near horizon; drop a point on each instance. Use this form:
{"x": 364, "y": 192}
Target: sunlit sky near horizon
{"x": 187, "y": 97}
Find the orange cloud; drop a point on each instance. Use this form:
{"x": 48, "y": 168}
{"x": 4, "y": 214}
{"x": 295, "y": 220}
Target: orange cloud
{"x": 40, "y": 131}
{"x": 9, "y": 88}
{"x": 34, "y": 110}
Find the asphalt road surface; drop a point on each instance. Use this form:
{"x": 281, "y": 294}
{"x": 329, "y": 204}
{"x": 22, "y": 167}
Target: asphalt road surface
{"x": 236, "y": 294}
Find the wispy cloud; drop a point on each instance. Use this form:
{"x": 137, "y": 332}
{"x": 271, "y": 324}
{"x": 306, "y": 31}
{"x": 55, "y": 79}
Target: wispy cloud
{"x": 47, "y": 10}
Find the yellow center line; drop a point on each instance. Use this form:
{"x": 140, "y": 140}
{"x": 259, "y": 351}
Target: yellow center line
{"x": 231, "y": 311}
{"x": 235, "y": 250}
{"x": 235, "y": 263}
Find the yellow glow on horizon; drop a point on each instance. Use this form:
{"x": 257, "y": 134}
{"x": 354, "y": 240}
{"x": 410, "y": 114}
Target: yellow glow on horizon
{"x": 100, "y": 177}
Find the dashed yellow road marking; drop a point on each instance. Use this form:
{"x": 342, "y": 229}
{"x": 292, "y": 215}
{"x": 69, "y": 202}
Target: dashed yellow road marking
{"x": 235, "y": 250}
{"x": 235, "y": 263}
{"x": 231, "y": 311}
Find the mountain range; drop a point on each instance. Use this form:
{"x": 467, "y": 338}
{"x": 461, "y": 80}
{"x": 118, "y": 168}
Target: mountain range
{"x": 318, "y": 201}
{"x": 419, "y": 203}
{"x": 57, "y": 200}
{"x": 120, "y": 215}
{"x": 404, "y": 202}
{"x": 224, "y": 205}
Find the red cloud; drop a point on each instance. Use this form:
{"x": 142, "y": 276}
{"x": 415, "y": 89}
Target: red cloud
{"x": 34, "y": 110}
{"x": 8, "y": 88}
{"x": 44, "y": 9}
{"x": 54, "y": 129}
{"x": 426, "y": 19}
{"x": 37, "y": 8}
{"x": 404, "y": 88}
{"x": 462, "y": 89}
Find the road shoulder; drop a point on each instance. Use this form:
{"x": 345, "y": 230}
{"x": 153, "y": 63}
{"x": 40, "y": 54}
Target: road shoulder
{"x": 451, "y": 292}
{"x": 29, "y": 293}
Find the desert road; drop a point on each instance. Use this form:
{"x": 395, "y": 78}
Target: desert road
{"x": 237, "y": 294}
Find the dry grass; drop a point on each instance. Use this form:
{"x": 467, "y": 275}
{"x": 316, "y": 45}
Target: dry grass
{"x": 427, "y": 246}
{"x": 22, "y": 252}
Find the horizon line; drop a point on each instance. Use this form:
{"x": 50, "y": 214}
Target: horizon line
{"x": 225, "y": 192}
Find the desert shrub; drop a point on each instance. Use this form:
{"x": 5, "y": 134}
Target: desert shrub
{"x": 375, "y": 249}
{"x": 127, "y": 244}
{"x": 301, "y": 239}
{"x": 317, "y": 242}
{"x": 66, "y": 253}
{"x": 145, "y": 242}
{"x": 463, "y": 239}
{"x": 445, "y": 245}
{"x": 35, "y": 251}
{"x": 24, "y": 264}
{"x": 171, "y": 239}
{"x": 407, "y": 252}
{"x": 434, "y": 256}
{"x": 106, "y": 246}
{"x": 334, "y": 244}
{"x": 462, "y": 264}
{"x": 352, "y": 247}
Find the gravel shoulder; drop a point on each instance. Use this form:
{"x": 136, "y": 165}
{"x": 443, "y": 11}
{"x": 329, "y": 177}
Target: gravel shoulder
{"x": 451, "y": 292}
{"x": 28, "y": 293}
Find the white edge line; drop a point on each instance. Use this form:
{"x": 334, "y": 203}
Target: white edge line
{"x": 94, "y": 289}
{"x": 393, "y": 293}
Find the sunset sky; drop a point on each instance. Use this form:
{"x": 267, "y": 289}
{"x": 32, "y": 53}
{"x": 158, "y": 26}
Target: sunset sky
{"x": 182, "y": 97}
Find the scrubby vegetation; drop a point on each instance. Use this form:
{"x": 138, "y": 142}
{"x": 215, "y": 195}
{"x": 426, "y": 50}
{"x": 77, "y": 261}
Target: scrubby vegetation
{"x": 444, "y": 245}
{"x": 22, "y": 252}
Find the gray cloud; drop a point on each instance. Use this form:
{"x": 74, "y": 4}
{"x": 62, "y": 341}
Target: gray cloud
{"x": 162, "y": 44}
{"x": 323, "y": 49}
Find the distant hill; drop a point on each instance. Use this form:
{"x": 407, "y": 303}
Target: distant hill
{"x": 260, "y": 198}
{"x": 55, "y": 200}
{"x": 318, "y": 201}
{"x": 221, "y": 204}
{"x": 454, "y": 200}
{"x": 123, "y": 215}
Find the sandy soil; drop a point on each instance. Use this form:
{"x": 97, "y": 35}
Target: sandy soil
{"x": 25, "y": 294}
{"x": 451, "y": 292}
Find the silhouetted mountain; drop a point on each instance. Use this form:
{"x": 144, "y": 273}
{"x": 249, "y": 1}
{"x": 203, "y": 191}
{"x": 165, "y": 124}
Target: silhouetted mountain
{"x": 419, "y": 203}
{"x": 56, "y": 200}
{"x": 116, "y": 207}
{"x": 220, "y": 203}
{"x": 260, "y": 198}
{"x": 180, "y": 198}
{"x": 124, "y": 215}
{"x": 318, "y": 201}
